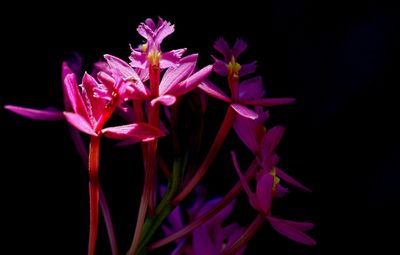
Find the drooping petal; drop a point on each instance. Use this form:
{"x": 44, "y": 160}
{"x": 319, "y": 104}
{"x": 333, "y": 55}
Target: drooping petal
{"x": 166, "y": 100}
{"x": 174, "y": 75}
{"x": 264, "y": 192}
{"x": 251, "y": 89}
{"x": 220, "y": 67}
{"x": 239, "y": 47}
{"x": 244, "y": 111}
{"x": 171, "y": 58}
{"x": 75, "y": 97}
{"x": 246, "y": 130}
{"x": 48, "y": 114}
{"x": 80, "y": 123}
{"x": 100, "y": 66}
{"x": 248, "y": 68}
{"x": 302, "y": 226}
{"x": 291, "y": 230}
{"x": 270, "y": 101}
{"x": 192, "y": 82}
{"x": 287, "y": 178}
{"x": 213, "y": 91}
{"x": 272, "y": 139}
{"x": 137, "y": 131}
{"x": 222, "y": 46}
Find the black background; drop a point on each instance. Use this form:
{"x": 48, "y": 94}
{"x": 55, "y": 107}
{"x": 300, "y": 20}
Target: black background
{"x": 338, "y": 59}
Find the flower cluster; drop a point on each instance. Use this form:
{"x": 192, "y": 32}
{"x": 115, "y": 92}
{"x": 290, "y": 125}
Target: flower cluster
{"x": 148, "y": 93}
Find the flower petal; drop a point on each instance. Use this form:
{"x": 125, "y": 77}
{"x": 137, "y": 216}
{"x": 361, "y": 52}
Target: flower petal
{"x": 166, "y": 100}
{"x": 264, "y": 192}
{"x": 138, "y": 59}
{"x": 246, "y": 130}
{"x": 97, "y": 105}
{"x": 213, "y": 91}
{"x": 176, "y": 74}
{"x": 292, "y": 230}
{"x": 171, "y": 58}
{"x": 287, "y": 178}
{"x": 192, "y": 82}
{"x": 75, "y": 97}
{"x": 220, "y": 67}
{"x": 248, "y": 68}
{"x": 164, "y": 29}
{"x": 47, "y": 114}
{"x": 137, "y": 131}
{"x": 202, "y": 243}
{"x": 272, "y": 139}
{"x": 80, "y": 123}
{"x": 270, "y": 101}
{"x": 239, "y": 47}
{"x": 222, "y": 46}
{"x": 251, "y": 89}
{"x": 244, "y": 111}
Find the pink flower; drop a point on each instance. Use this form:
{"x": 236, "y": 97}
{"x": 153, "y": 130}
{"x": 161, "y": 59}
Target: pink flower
{"x": 243, "y": 94}
{"x": 261, "y": 200}
{"x": 154, "y": 35}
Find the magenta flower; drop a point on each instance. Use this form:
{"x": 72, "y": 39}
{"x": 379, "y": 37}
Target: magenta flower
{"x": 243, "y": 94}
{"x": 175, "y": 82}
{"x": 263, "y": 143}
{"x": 261, "y": 200}
{"x": 154, "y": 35}
{"x": 209, "y": 238}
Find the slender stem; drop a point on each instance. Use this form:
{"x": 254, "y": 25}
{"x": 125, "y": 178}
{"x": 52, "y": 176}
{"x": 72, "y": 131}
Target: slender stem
{"x": 93, "y": 192}
{"x": 246, "y": 236}
{"x": 82, "y": 150}
{"x": 249, "y": 174}
{"x": 109, "y": 225}
{"x": 219, "y": 139}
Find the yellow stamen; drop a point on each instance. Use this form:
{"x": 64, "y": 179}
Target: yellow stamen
{"x": 144, "y": 47}
{"x": 233, "y": 68}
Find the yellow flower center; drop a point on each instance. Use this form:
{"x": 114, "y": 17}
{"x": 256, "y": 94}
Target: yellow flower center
{"x": 233, "y": 68}
{"x": 276, "y": 180}
{"x": 154, "y": 57}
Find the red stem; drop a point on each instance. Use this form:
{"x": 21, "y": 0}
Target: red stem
{"x": 211, "y": 213}
{"x": 219, "y": 139}
{"x": 93, "y": 192}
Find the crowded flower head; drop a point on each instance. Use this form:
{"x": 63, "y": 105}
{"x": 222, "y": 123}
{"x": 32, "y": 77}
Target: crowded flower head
{"x": 144, "y": 88}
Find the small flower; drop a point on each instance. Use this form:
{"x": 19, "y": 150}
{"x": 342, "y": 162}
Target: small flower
{"x": 150, "y": 53}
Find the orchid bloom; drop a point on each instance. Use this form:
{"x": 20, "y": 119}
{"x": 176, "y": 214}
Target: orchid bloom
{"x": 243, "y": 94}
{"x": 261, "y": 200}
{"x": 262, "y": 144}
{"x": 176, "y": 81}
{"x": 150, "y": 51}
{"x": 209, "y": 238}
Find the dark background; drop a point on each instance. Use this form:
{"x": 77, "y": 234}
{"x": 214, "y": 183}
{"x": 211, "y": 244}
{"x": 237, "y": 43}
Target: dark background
{"x": 339, "y": 59}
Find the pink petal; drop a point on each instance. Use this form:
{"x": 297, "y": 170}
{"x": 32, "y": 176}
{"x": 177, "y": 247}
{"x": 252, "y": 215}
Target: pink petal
{"x": 239, "y": 47}
{"x": 272, "y": 139}
{"x": 138, "y": 59}
{"x": 269, "y": 101}
{"x": 251, "y": 89}
{"x": 48, "y": 114}
{"x": 75, "y": 97}
{"x": 213, "y": 91}
{"x": 192, "y": 82}
{"x": 248, "y": 68}
{"x": 137, "y": 131}
{"x": 302, "y": 226}
{"x": 244, "y": 111}
{"x": 106, "y": 80}
{"x": 220, "y": 67}
{"x": 171, "y": 58}
{"x": 164, "y": 29}
{"x": 80, "y": 123}
{"x": 97, "y": 105}
{"x": 284, "y": 176}
{"x": 222, "y": 46}
{"x": 166, "y": 100}
{"x": 101, "y": 66}
{"x": 291, "y": 230}
{"x": 246, "y": 130}
{"x": 264, "y": 192}
{"x": 174, "y": 75}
